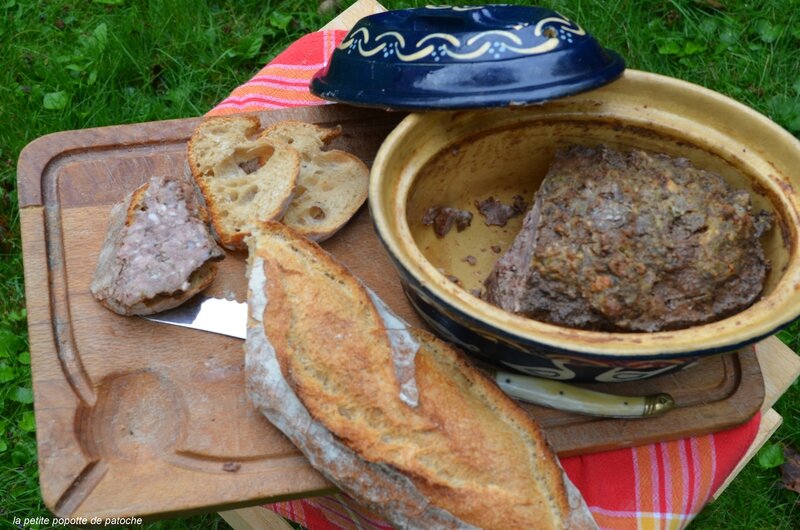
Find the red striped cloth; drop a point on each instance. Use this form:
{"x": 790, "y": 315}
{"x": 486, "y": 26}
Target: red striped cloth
{"x": 656, "y": 486}
{"x": 651, "y": 487}
{"x": 284, "y": 81}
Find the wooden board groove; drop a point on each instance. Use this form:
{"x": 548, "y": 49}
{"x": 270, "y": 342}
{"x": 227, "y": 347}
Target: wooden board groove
{"x": 127, "y": 409}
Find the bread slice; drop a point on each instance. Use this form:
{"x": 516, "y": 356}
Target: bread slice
{"x": 243, "y": 180}
{"x": 332, "y": 184}
{"x": 393, "y": 416}
{"x": 158, "y": 251}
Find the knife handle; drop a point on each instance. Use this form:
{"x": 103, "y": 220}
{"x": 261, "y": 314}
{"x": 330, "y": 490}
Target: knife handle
{"x": 571, "y": 398}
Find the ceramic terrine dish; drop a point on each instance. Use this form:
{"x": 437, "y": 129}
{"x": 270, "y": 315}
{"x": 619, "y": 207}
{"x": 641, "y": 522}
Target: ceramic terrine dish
{"x": 595, "y": 231}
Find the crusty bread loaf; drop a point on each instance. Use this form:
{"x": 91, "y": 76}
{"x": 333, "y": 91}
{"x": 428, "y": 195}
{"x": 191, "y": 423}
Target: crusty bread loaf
{"x": 243, "y": 180}
{"x": 332, "y": 184}
{"x": 393, "y": 416}
{"x": 158, "y": 251}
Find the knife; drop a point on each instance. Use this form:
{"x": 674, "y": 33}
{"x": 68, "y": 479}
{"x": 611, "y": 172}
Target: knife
{"x": 229, "y": 317}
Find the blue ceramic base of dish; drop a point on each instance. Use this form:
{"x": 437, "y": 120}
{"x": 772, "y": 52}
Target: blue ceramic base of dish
{"x": 539, "y": 361}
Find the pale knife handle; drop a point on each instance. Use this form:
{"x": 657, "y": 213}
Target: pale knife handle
{"x": 567, "y": 397}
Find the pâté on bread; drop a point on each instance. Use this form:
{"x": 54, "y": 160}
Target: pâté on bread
{"x": 393, "y": 416}
{"x": 238, "y": 178}
{"x": 158, "y": 251}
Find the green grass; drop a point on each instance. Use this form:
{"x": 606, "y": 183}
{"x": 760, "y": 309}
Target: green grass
{"x": 70, "y": 65}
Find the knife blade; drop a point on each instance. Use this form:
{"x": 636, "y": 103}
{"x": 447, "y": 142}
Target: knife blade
{"x": 217, "y": 315}
{"x": 229, "y": 317}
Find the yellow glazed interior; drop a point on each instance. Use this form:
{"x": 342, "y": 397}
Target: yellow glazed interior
{"x": 454, "y": 158}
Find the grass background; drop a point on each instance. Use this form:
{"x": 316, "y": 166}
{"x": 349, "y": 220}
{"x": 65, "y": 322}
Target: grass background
{"x": 70, "y": 65}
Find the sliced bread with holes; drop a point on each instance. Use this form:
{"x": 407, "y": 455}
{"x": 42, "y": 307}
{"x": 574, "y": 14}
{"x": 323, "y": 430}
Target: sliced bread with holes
{"x": 332, "y": 184}
{"x": 158, "y": 251}
{"x": 243, "y": 179}
{"x": 396, "y": 418}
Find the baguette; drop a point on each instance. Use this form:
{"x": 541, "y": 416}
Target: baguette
{"x": 243, "y": 180}
{"x": 393, "y": 416}
{"x": 332, "y": 184}
{"x": 158, "y": 251}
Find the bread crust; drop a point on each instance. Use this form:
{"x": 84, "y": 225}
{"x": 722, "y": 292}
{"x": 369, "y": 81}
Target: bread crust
{"x": 377, "y": 487}
{"x": 465, "y": 446}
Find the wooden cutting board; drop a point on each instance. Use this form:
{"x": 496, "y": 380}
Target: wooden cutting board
{"x": 139, "y": 418}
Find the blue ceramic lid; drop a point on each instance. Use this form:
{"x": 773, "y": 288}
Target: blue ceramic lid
{"x": 464, "y": 57}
